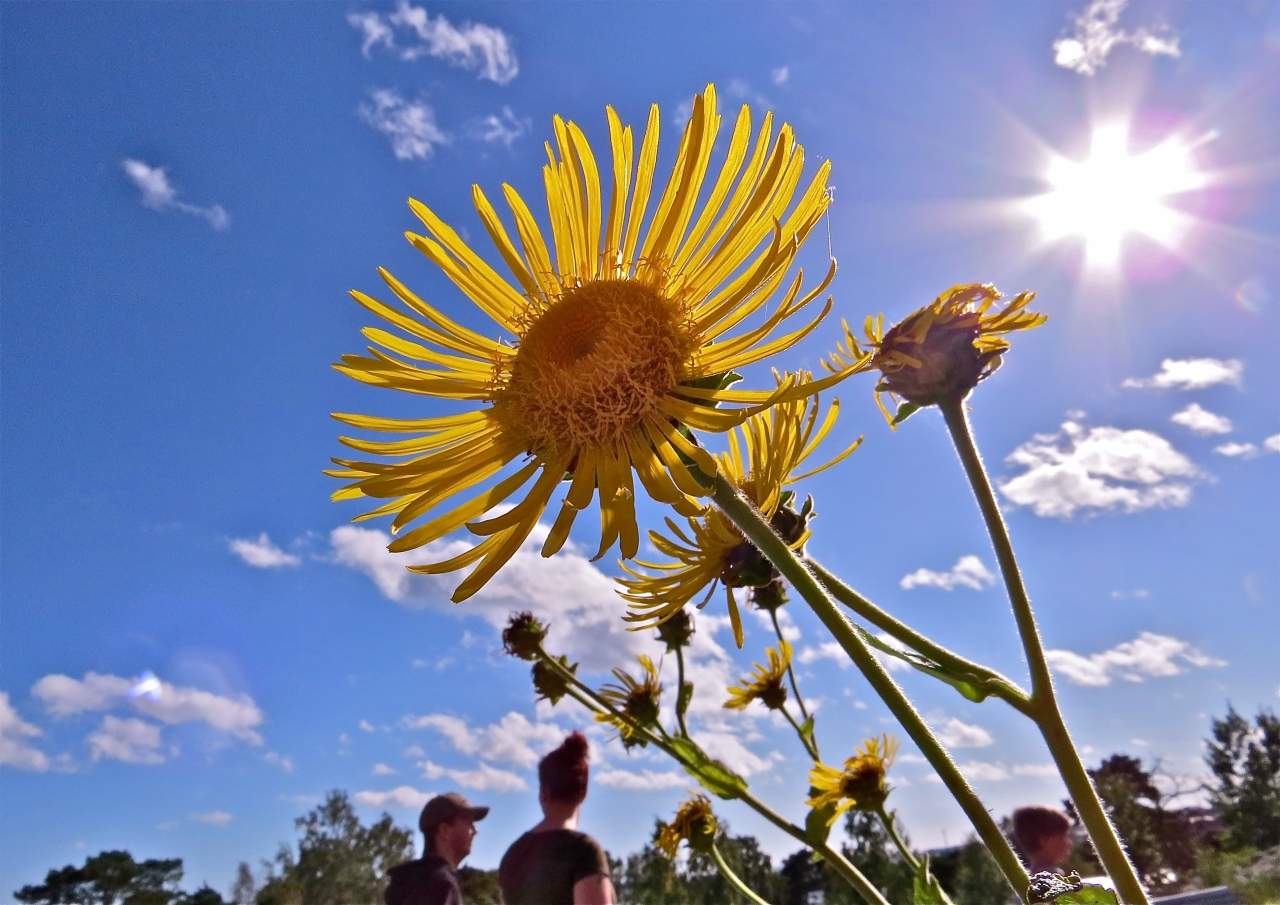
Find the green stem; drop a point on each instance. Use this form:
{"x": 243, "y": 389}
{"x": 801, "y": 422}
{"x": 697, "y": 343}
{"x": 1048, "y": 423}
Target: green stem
{"x": 891, "y": 827}
{"x": 585, "y": 695}
{"x": 734, "y": 880}
{"x": 1046, "y": 713}
{"x": 739, "y": 510}
{"x": 811, "y": 747}
{"x": 795, "y": 688}
{"x": 684, "y": 728}
{"x": 1000, "y": 686}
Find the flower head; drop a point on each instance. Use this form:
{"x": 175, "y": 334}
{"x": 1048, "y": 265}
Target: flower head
{"x": 940, "y": 352}
{"x": 548, "y": 682}
{"x": 622, "y": 337}
{"x": 763, "y": 458}
{"x": 765, "y": 684}
{"x": 769, "y": 597}
{"x": 694, "y": 823}
{"x": 676, "y": 631}
{"x": 523, "y": 636}
{"x": 860, "y": 785}
{"x": 638, "y": 700}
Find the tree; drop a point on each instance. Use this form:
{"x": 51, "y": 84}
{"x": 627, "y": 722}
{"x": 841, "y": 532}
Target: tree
{"x": 108, "y": 878}
{"x": 707, "y": 886}
{"x": 872, "y": 852}
{"x": 339, "y": 860}
{"x": 479, "y": 887}
{"x": 205, "y": 895}
{"x": 1245, "y": 761}
{"x": 245, "y": 889}
{"x": 971, "y": 875}
{"x": 647, "y": 877}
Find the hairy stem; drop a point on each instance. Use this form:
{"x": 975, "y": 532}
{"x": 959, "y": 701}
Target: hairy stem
{"x": 739, "y": 510}
{"x": 734, "y": 880}
{"x": 1045, "y": 710}
{"x": 791, "y": 674}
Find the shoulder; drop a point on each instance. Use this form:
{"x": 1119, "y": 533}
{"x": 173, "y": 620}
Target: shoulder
{"x": 588, "y": 856}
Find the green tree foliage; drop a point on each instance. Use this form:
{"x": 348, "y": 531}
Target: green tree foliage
{"x": 245, "y": 889}
{"x": 707, "y": 886}
{"x": 110, "y": 878}
{"x": 479, "y": 887}
{"x": 971, "y": 875}
{"x": 1245, "y": 760}
{"x": 339, "y": 860}
{"x": 646, "y": 877}
{"x": 872, "y": 851}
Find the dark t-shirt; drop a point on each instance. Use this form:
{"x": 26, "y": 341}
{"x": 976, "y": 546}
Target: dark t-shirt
{"x": 541, "y": 868}
{"x": 427, "y": 881}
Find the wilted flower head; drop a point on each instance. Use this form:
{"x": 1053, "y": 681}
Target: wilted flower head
{"x": 769, "y": 597}
{"x": 940, "y": 352}
{"x": 523, "y": 636}
{"x": 676, "y": 631}
{"x": 765, "y": 684}
{"x": 860, "y": 786}
{"x": 548, "y": 682}
{"x": 638, "y": 699}
{"x": 694, "y": 823}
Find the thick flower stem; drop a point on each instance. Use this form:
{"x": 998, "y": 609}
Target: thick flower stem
{"x": 1000, "y": 686}
{"x": 1045, "y": 710}
{"x": 734, "y": 880}
{"x": 743, "y": 514}
{"x": 791, "y": 673}
{"x": 587, "y": 697}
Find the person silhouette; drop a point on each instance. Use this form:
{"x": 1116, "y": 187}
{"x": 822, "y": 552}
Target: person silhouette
{"x": 1043, "y": 834}
{"x": 448, "y": 824}
{"x": 554, "y": 863}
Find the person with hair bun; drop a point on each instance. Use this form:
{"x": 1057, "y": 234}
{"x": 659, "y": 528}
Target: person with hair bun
{"x": 554, "y": 863}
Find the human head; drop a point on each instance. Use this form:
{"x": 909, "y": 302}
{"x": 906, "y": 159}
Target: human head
{"x": 562, "y": 774}
{"x": 448, "y": 825}
{"x": 1042, "y": 834}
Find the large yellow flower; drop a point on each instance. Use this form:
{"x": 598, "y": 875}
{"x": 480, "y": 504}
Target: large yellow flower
{"x": 765, "y": 684}
{"x": 940, "y": 352}
{"x": 776, "y": 442}
{"x": 860, "y": 785}
{"x": 619, "y": 340}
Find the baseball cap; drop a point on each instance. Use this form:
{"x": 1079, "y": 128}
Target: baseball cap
{"x": 446, "y": 807}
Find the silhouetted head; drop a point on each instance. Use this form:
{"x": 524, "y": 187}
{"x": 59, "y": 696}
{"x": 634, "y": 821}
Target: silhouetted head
{"x": 1043, "y": 835}
{"x": 562, "y": 774}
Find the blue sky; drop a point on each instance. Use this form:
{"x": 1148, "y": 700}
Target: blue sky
{"x": 190, "y": 190}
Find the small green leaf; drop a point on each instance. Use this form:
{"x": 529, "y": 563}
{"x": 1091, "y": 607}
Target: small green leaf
{"x": 683, "y": 699}
{"x": 905, "y": 411}
{"x": 712, "y": 775}
{"x": 971, "y": 686}
{"x": 926, "y": 890}
{"x": 817, "y": 823}
{"x": 806, "y": 732}
{"x": 1068, "y": 890}
{"x": 1089, "y": 894}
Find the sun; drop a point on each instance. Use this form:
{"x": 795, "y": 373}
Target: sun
{"x": 1114, "y": 193}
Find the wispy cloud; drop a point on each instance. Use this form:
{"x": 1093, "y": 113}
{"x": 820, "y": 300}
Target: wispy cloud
{"x": 1272, "y": 443}
{"x": 643, "y": 780}
{"x": 1135, "y": 594}
{"x": 1201, "y": 421}
{"x": 513, "y": 739}
{"x": 214, "y": 818}
{"x": 261, "y": 553}
{"x": 16, "y": 734}
{"x": 1237, "y": 450}
{"x": 956, "y": 733}
{"x": 405, "y": 798}
{"x": 781, "y": 75}
{"x": 412, "y": 33}
{"x": 504, "y": 128}
{"x": 1097, "y": 33}
{"x": 1150, "y": 655}
{"x": 1089, "y": 470}
{"x": 159, "y": 194}
{"x": 968, "y": 572}
{"x": 1191, "y": 374}
{"x": 384, "y": 770}
{"x": 130, "y": 740}
{"x": 483, "y": 777}
{"x": 410, "y": 126}
{"x": 283, "y": 761}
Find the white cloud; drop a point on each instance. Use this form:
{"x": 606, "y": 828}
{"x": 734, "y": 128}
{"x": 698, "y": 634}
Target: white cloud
{"x": 513, "y": 739}
{"x": 484, "y": 49}
{"x": 827, "y": 650}
{"x": 130, "y": 740}
{"x": 503, "y": 128}
{"x": 172, "y": 704}
{"x": 725, "y": 745}
{"x": 404, "y": 797}
{"x": 484, "y": 777}
{"x": 214, "y": 818}
{"x": 261, "y": 553}
{"x": 410, "y": 126}
{"x": 781, "y": 75}
{"x": 1094, "y": 469}
{"x": 1097, "y": 33}
{"x": 384, "y": 770}
{"x": 1237, "y": 450}
{"x": 1040, "y": 771}
{"x": 282, "y": 761}
{"x": 998, "y": 771}
{"x": 1201, "y": 420}
{"x": 1191, "y": 374}
{"x": 641, "y": 780}
{"x": 955, "y": 733}
{"x": 158, "y": 194}
{"x": 1148, "y": 656}
{"x": 365, "y": 726}
{"x": 15, "y": 748}
{"x": 1135, "y": 594}
{"x": 968, "y": 572}
{"x": 790, "y": 631}
{"x": 1272, "y": 443}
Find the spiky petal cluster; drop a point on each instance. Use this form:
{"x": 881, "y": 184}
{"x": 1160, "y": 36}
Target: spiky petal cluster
{"x": 639, "y": 700}
{"x": 765, "y": 684}
{"x": 694, "y": 823}
{"x": 861, "y": 785}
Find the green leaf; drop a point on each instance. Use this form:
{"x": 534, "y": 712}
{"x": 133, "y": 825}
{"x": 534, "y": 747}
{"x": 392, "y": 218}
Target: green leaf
{"x": 905, "y": 411}
{"x": 1090, "y": 894}
{"x": 711, "y": 774}
{"x": 817, "y": 824}
{"x": 1069, "y": 890}
{"x": 926, "y": 890}
{"x": 683, "y": 699}
{"x": 806, "y": 732}
{"x": 971, "y": 685}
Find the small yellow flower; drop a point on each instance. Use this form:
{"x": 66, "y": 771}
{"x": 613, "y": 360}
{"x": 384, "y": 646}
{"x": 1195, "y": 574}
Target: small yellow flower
{"x": 860, "y": 785}
{"x": 638, "y": 699}
{"x": 619, "y": 341}
{"x": 940, "y": 352}
{"x": 763, "y": 457}
{"x": 765, "y": 684}
{"x": 694, "y": 823}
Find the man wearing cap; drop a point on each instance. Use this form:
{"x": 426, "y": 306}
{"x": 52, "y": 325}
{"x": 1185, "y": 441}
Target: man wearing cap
{"x": 448, "y": 825}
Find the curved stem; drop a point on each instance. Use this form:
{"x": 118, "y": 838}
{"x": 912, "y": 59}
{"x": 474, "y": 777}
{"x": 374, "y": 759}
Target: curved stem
{"x": 1046, "y": 713}
{"x": 739, "y": 510}
{"x": 795, "y": 688}
{"x": 734, "y": 880}
{"x": 891, "y": 827}
{"x": 810, "y": 746}
{"x": 1000, "y": 686}
{"x": 684, "y": 728}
